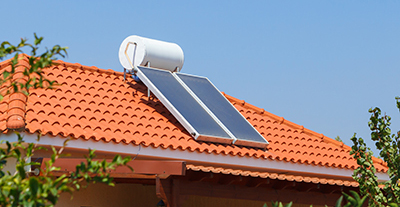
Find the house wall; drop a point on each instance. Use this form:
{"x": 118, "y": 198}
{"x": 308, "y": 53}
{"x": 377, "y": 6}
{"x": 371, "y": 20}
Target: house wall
{"x": 131, "y": 195}
{"x": 121, "y": 195}
{"x": 10, "y": 165}
{"x": 197, "y": 201}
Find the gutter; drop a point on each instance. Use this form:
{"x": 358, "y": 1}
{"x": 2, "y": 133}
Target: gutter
{"x": 260, "y": 164}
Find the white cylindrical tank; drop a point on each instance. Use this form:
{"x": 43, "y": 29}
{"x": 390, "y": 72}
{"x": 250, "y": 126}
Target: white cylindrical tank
{"x": 141, "y": 51}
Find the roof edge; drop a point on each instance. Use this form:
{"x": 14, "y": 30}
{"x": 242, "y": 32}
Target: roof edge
{"x": 349, "y": 182}
{"x": 227, "y": 160}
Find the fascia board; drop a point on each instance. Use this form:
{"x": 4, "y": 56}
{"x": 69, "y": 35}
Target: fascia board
{"x": 260, "y": 164}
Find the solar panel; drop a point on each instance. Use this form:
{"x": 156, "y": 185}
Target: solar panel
{"x": 198, "y": 105}
{"x": 223, "y": 110}
{"x": 196, "y": 120}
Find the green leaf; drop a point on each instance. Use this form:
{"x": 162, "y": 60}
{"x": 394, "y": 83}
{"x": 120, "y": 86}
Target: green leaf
{"x": 33, "y": 186}
{"x": 38, "y": 40}
{"x": 6, "y": 74}
{"x": 289, "y": 204}
{"x": 339, "y": 202}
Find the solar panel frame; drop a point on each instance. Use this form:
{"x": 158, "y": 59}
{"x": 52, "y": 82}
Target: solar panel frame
{"x": 258, "y": 139}
{"x": 176, "y": 113}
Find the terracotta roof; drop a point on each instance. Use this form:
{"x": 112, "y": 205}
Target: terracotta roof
{"x": 92, "y": 103}
{"x": 274, "y": 176}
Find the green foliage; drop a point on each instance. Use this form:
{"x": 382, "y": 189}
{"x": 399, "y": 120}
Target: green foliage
{"x": 279, "y": 204}
{"x": 22, "y": 188}
{"x": 32, "y": 76}
{"x": 353, "y": 200}
{"x": 337, "y": 138}
{"x": 386, "y": 193}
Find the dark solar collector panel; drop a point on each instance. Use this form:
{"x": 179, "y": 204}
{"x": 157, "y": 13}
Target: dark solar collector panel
{"x": 198, "y": 105}
{"x": 223, "y": 110}
{"x": 183, "y": 105}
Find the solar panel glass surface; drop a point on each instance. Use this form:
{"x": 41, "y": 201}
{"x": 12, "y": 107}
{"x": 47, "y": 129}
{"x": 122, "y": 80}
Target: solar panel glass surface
{"x": 222, "y": 109}
{"x": 183, "y": 102}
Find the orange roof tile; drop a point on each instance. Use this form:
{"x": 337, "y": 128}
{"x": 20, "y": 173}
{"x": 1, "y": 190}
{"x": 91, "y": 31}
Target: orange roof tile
{"x": 13, "y": 105}
{"x": 274, "y": 176}
{"x": 92, "y": 103}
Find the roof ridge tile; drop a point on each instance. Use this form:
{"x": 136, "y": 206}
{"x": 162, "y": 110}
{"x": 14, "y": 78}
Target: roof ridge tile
{"x": 17, "y": 100}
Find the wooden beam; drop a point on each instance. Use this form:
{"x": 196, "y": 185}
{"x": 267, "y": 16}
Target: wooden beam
{"x": 200, "y": 177}
{"x": 118, "y": 175}
{"x": 229, "y": 179}
{"x": 135, "y": 181}
{"x": 146, "y": 169}
{"x": 257, "y": 182}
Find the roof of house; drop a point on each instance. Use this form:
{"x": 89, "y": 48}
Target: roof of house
{"x": 92, "y": 103}
{"x": 273, "y": 176}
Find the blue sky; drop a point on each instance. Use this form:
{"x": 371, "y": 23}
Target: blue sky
{"x": 321, "y": 64}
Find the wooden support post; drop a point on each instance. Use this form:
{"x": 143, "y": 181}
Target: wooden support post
{"x": 169, "y": 190}
{"x": 160, "y": 192}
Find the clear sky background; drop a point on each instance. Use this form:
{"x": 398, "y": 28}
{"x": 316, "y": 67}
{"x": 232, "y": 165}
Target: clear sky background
{"x": 321, "y": 64}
